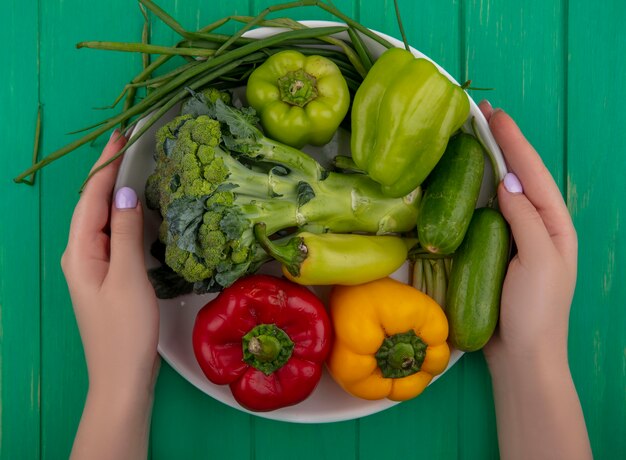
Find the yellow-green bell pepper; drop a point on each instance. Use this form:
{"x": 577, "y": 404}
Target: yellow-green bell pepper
{"x": 300, "y": 99}
{"x": 403, "y": 114}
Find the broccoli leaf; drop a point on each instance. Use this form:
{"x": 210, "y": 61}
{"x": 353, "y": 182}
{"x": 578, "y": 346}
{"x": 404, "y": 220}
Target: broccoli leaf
{"x": 206, "y": 286}
{"x": 168, "y": 284}
{"x": 232, "y": 274}
{"x": 175, "y": 183}
{"x": 203, "y": 103}
{"x": 279, "y": 170}
{"x": 234, "y": 224}
{"x": 168, "y": 145}
{"x": 242, "y": 134}
{"x": 241, "y": 122}
{"x": 305, "y": 193}
{"x": 185, "y": 216}
{"x": 196, "y": 105}
{"x": 226, "y": 187}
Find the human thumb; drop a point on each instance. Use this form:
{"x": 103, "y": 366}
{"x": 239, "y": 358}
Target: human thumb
{"x": 127, "y": 252}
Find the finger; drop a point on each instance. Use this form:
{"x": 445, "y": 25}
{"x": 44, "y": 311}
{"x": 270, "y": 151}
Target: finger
{"x": 92, "y": 211}
{"x": 529, "y": 232}
{"x": 486, "y": 109}
{"x": 127, "y": 252}
{"x": 101, "y": 184}
{"x": 538, "y": 184}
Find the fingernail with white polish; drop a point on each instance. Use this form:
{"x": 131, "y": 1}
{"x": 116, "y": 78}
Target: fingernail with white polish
{"x": 125, "y": 198}
{"x": 114, "y": 135}
{"x": 512, "y": 183}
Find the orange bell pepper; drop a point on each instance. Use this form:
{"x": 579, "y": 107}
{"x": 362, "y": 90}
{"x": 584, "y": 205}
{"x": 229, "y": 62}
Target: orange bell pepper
{"x": 390, "y": 340}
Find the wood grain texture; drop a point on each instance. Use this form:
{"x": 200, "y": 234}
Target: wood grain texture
{"x": 557, "y": 66}
{"x": 73, "y": 82}
{"x": 188, "y": 424}
{"x": 518, "y": 49}
{"x": 596, "y": 165}
{"x": 19, "y": 237}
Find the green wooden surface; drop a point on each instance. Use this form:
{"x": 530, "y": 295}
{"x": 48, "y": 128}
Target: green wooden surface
{"x": 557, "y": 66}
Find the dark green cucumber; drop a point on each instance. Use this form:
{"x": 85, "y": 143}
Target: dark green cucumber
{"x": 475, "y": 283}
{"x": 450, "y": 196}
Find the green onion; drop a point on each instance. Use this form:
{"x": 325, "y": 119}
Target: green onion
{"x": 222, "y": 60}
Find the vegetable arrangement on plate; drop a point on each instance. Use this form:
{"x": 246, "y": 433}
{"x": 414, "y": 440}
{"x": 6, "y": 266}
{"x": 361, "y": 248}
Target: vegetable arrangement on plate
{"x": 236, "y": 191}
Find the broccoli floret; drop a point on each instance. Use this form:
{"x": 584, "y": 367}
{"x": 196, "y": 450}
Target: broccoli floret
{"x": 181, "y": 161}
{"x": 212, "y": 243}
{"x": 153, "y": 184}
{"x": 187, "y": 264}
{"x": 217, "y": 175}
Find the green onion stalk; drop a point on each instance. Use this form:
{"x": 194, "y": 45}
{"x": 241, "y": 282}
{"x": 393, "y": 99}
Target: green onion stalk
{"x": 430, "y": 273}
{"x": 224, "y": 61}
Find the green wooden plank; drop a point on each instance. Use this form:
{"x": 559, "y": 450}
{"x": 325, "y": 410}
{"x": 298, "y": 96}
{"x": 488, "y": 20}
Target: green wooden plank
{"x": 426, "y": 426}
{"x": 188, "y": 424}
{"x": 430, "y": 27}
{"x": 19, "y": 237}
{"x": 596, "y": 190}
{"x": 304, "y": 13}
{"x": 285, "y": 441}
{"x": 518, "y": 49}
{"x": 476, "y": 419}
{"x": 72, "y": 82}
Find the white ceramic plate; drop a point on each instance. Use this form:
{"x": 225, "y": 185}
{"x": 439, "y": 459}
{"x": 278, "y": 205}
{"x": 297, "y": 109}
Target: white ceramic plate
{"x": 328, "y": 403}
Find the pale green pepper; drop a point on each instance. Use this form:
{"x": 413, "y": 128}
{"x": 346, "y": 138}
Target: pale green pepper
{"x": 336, "y": 258}
{"x": 403, "y": 114}
{"x": 300, "y": 99}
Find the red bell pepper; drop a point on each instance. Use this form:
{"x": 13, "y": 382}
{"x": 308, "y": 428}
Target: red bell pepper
{"x": 267, "y": 338}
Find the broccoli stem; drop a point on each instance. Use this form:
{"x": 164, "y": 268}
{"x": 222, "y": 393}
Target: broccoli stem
{"x": 355, "y": 203}
{"x": 276, "y": 152}
{"x": 277, "y": 214}
{"x": 342, "y": 203}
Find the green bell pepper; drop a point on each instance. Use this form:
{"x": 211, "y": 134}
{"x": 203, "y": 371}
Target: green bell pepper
{"x": 300, "y": 99}
{"x": 403, "y": 114}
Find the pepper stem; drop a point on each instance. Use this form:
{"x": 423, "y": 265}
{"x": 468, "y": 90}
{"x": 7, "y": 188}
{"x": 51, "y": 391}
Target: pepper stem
{"x": 267, "y": 348}
{"x": 297, "y": 88}
{"x": 401, "y": 355}
{"x": 264, "y": 347}
{"x": 291, "y": 254}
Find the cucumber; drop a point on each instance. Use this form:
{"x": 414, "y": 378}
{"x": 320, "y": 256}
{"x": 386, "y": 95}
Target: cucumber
{"x": 450, "y": 196}
{"x": 475, "y": 283}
